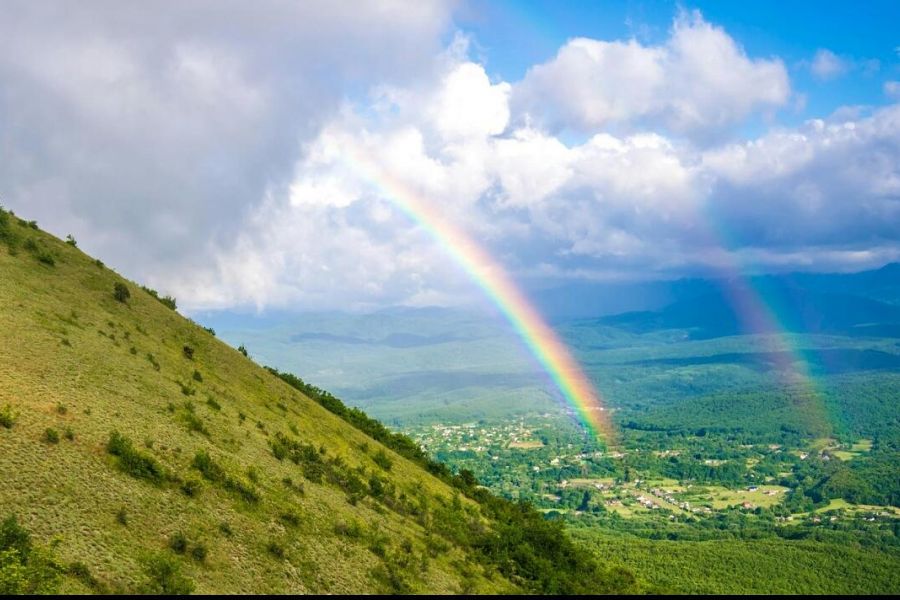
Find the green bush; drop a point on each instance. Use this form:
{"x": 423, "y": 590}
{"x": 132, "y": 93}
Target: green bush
{"x": 191, "y": 488}
{"x": 46, "y": 258}
{"x": 210, "y": 470}
{"x": 24, "y": 569}
{"x": 7, "y": 417}
{"x": 120, "y": 292}
{"x": 197, "y": 376}
{"x": 188, "y": 352}
{"x": 194, "y": 423}
{"x": 163, "y": 577}
{"x": 290, "y": 518}
{"x": 382, "y": 460}
{"x": 70, "y": 240}
{"x": 198, "y": 553}
{"x": 178, "y": 543}
{"x": 132, "y": 461}
{"x": 82, "y": 573}
{"x": 167, "y": 301}
{"x": 275, "y": 549}
{"x": 51, "y": 436}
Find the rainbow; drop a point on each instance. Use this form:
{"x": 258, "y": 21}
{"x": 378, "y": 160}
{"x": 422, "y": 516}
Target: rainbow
{"x": 497, "y": 285}
{"x": 760, "y": 317}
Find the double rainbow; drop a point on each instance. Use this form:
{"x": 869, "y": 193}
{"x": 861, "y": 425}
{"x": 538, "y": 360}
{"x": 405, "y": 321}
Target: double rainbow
{"x": 492, "y": 278}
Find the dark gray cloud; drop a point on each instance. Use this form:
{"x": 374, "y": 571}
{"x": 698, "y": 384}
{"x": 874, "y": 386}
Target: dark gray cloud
{"x": 152, "y": 131}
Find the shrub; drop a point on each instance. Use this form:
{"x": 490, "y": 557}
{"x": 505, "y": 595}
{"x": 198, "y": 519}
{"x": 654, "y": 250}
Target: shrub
{"x": 275, "y": 549}
{"x": 61, "y": 408}
{"x": 225, "y": 528}
{"x": 69, "y": 434}
{"x": 24, "y": 569}
{"x": 210, "y": 331}
{"x": 178, "y": 543}
{"x": 122, "y": 516}
{"x": 211, "y": 402}
{"x": 198, "y": 553}
{"x": 164, "y": 577}
{"x": 210, "y": 470}
{"x": 191, "y": 488}
{"x": 243, "y": 350}
{"x": 46, "y": 258}
{"x": 195, "y": 424}
{"x": 99, "y": 263}
{"x": 197, "y": 376}
{"x": 167, "y": 301}
{"x": 188, "y": 352}
{"x": 246, "y": 492}
{"x": 70, "y": 240}
{"x": 7, "y": 417}
{"x": 351, "y": 530}
{"x": 120, "y": 292}
{"x": 382, "y": 460}
{"x": 290, "y": 518}
{"x": 253, "y": 474}
{"x": 134, "y": 462}
{"x": 51, "y": 436}
{"x": 153, "y": 361}
{"x": 82, "y": 573}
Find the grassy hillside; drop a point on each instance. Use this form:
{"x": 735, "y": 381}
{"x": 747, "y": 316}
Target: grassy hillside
{"x": 140, "y": 453}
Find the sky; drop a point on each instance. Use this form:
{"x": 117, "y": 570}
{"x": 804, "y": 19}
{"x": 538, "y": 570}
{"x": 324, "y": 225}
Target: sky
{"x": 214, "y": 150}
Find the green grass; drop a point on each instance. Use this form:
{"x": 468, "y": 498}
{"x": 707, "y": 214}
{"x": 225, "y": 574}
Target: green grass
{"x": 66, "y": 340}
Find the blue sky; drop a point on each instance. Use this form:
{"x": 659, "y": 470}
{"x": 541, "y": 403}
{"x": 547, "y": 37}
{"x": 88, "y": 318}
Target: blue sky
{"x": 573, "y": 141}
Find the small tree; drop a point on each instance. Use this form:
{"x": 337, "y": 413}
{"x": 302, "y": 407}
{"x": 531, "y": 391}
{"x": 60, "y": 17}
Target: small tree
{"x": 70, "y": 240}
{"x": 121, "y": 293}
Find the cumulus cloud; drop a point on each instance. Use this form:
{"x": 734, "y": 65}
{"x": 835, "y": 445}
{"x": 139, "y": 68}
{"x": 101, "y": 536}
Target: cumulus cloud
{"x": 892, "y": 89}
{"x": 699, "y": 82}
{"x": 828, "y": 65}
{"x": 237, "y": 168}
{"x": 153, "y": 135}
{"x": 824, "y": 195}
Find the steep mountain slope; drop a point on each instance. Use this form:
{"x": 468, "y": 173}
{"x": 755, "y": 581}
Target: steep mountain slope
{"x": 143, "y": 454}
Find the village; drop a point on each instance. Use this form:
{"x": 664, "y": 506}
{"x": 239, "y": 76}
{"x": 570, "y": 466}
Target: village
{"x": 521, "y": 458}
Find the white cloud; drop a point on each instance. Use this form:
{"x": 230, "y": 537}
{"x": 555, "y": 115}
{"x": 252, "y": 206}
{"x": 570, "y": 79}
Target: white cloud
{"x": 135, "y": 127}
{"x": 892, "y": 89}
{"x": 699, "y": 82}
{"x": 828, "y": 65}
{"x": 232, "y": 161}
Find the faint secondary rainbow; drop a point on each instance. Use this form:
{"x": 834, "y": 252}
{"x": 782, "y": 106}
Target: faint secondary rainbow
{"x": 761, "y": 316}
{"x": 493, "y": 279}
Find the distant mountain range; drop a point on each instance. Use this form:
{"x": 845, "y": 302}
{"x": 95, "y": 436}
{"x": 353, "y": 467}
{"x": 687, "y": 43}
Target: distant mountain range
{"x": 592, "y": 300}
{"x": 866, "y": 303}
